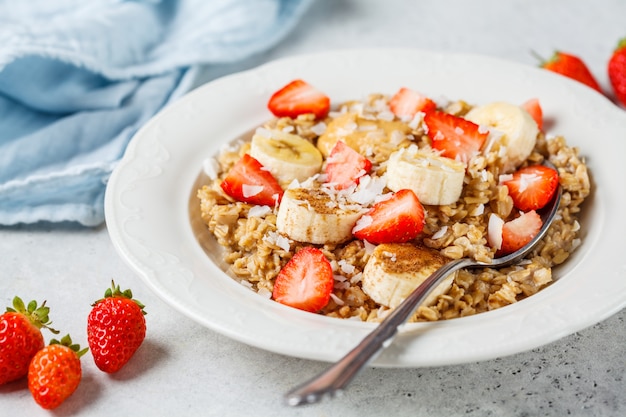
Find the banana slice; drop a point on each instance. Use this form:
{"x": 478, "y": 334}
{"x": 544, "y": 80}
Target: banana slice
{"x": 513, "y": 131}
{"x": 285, "y": 155}
{"x": 316, "y": 216}
{"x": 394, "y": 270}
{"x": 374, "y": 138}
{"x": 435, "y": 180}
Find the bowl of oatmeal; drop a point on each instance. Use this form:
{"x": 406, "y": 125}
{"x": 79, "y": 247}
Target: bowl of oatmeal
{"x": 216, "y": 259}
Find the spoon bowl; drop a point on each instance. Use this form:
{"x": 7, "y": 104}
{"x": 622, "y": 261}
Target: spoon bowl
{"x": 339, "y": 375}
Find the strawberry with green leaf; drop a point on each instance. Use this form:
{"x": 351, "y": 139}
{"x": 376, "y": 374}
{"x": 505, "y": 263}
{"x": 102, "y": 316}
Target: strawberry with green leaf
{"x": 55, "y": 372}
{"x": 572, "y": 67}
{"x": 21, "y": 338}
{"x": 116, "y": 327}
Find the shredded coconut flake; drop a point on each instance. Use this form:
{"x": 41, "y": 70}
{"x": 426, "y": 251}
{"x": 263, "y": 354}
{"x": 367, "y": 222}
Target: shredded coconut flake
{"x": 478, "y": 211}
{"x": 339, "y": 278}
{"x": 440, "y": 233}
{"x": 211, "y": 168}
{"x": 265, "y": 293}
{"x": 385, "y": 115}
{"x": 283, "y": 243}
{"x": 245, "y": 283}
{"x": 504, "y": 178}
{"x": 259, "y": 211}
{"x": 362, "y": 223}
{"x": 346, "y": 267}
{"x": 356, "y": 278}
{"x": 482, "y": 129}
{"x": 319, "y": 128}
{"x": 369, "y": 247}
{"x": 336, "y": 299}
{"x": 251, "y": 190}
{"x": 494, "y": 231}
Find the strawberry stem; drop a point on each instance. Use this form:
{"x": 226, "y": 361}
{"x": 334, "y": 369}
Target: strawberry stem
{"x": 38, "y": 316}
{"x": 67, "y": 342}
{"x": 538, "y": 57}
{"x": 115, "y": 291}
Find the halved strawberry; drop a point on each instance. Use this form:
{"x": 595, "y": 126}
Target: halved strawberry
{"x": 406, "y": 103}
{"x": 532, "y": 187}
{"x": 345, "y": 166}
{"x": 249, "y": 182}
{"x": 395, "y": 220}
{"x": 306, "y": 281}
{"x": 299, "y": 97}
{"x": 454, "y": 136}
{"x": 533, "y": 107}
{"x": 519, "y": 231}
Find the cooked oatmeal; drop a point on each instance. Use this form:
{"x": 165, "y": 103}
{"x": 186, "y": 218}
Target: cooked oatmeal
{"x": 256, "y": 251}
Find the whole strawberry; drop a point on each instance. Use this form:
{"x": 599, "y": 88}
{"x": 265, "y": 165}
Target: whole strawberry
{"x": 573, "y": 67}
{"x": 55, "y": 372}
{"x": 116, "y": 328}
{"x": 20, "y": 337}
{"x": 617, "y": 71}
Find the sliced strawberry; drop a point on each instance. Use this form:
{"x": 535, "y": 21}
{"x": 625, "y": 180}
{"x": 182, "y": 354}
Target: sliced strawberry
{"x": 345, "y": 166}
{"x": 406, "y": 103}
{"x": 533, "y": 107}
{"x": 249, "y": 182}
{"x": 518, "y": 232}
{"x": 299, "y": 97}
{"x": 454, "y": 136}
{"x": 305, "y": 282}
{"x": 395, "y": 220}
{"x": 532, "y": 187}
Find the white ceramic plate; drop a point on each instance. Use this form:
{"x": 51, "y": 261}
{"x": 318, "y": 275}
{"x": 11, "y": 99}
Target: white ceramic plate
{"x": 147, "y": 206}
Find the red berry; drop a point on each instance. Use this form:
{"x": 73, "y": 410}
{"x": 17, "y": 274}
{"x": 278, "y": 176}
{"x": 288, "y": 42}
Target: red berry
{"x": 55, "y": 372}
{"x": 518, "y": 232}
{"x": 455, "y": 137}
{"x": 306, "y": 281}
{"x": 345, "y": 166}
{"x": 617, "y": 71}
{"x": 395, "y": 220}
{"x": 573, "y": 67}
{"x": 116, "y": 327}
{"x": 406, "y": 103}
{"x": 532, "y": 187}
{"x": 249, "y": 182}
{"x": 533, "y": 107}
{"x": 296, "y": 98}
{"x": 21, "y": 338}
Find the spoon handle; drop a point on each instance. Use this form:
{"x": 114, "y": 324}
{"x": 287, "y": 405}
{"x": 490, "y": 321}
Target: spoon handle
{"x": 339, "y": 375}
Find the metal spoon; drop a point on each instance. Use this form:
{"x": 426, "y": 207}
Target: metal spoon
{"x": 339, "y": 375}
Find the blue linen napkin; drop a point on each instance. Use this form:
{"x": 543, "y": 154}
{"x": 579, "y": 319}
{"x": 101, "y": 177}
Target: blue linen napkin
{"x": 78, "y": 78}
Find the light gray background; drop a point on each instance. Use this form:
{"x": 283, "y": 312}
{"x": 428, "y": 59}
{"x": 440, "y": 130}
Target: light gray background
{"x": 185, "y": 369}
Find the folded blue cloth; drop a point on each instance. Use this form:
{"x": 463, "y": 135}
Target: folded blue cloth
{"x": 78, "y": 78}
